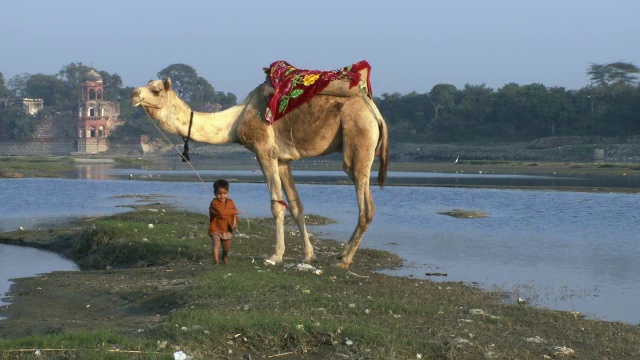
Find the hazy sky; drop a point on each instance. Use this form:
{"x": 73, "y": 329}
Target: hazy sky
{"x": 410, "y": 44}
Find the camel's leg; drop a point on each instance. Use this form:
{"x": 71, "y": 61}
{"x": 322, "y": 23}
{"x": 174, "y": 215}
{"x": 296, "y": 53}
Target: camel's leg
{"x": 269, "y": 165}
{"x": 357, "y": 164}
{"x": 295, "y": 207}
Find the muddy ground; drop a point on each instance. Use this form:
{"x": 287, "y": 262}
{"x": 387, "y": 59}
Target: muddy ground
{"x": 126, "y": 300}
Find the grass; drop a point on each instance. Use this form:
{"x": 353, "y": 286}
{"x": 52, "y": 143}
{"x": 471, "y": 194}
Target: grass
{"x": 251, "y": 309}
{"x": 34, "y": 166}
{"x": 90, "y": 345}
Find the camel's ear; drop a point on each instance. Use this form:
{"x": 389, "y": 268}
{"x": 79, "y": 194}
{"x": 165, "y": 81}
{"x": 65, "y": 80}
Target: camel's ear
{"x": 167, "y": 84}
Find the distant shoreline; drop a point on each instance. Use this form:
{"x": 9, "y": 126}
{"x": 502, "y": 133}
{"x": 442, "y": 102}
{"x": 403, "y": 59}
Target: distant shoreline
{"x": 24, "y": 167}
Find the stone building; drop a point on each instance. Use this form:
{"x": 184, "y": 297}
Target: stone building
{"x": 96, "y": 116}
{"x": 84, "y": 132}
{"x": 30, "y": 106}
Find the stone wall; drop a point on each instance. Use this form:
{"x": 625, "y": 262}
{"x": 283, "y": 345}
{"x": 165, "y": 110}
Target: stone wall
{"x": 37, "y": 147}
{"x": 92, "y": 145}
{"x": 52, "y": 136}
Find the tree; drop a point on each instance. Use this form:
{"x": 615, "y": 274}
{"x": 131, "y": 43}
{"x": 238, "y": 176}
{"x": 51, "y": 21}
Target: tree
{"x": 618, "y": 110}
{"x": 613, "y": 73}
{"x": 472, "y": 109}
{"x": 4, "y": 92}
{"x": 558, "y": 107}
{"x": 185, "y": 81}
{"x": 509, "y": 109}
{"x": 48, "y": 88}
{"x": 225, "y": 100}
{"x": 407, "y": 115}
{"x": 18, "y": 84}
{"x": 112, "y": 86}
{"x": 73, "y": 74}
{"x": 17, "y": 124}
{"x": 388, "y": 105}
{"x": 474, "y": 101}
{"x": 195, "y": 90}
{"x": 137, "y": 124}
{"x": 442, "y": 96}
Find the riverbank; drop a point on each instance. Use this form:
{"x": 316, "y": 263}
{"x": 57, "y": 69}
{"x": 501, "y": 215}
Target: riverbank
{"x": 576, "y": 177}
{"x": 235, "y": 158}
{"x": 34, "y": 166}
{"x": 149, "y": 291}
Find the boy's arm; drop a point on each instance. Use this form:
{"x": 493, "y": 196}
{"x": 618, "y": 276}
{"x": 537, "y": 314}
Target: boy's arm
{"x": 235, "y": 209}
{"x": 211, "y": 212}
{"x": 214, "y": 212}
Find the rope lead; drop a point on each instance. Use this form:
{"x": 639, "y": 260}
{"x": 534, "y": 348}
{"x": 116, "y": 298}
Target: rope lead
{"x": 185, "y": 152}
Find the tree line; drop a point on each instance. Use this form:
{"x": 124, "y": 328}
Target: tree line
{"x": 61, "y": 92}
{"x": 608, "y": 106}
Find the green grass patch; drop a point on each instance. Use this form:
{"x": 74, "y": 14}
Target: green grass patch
{"x": 82, "y": 345}
{"x": 34, "y": 166}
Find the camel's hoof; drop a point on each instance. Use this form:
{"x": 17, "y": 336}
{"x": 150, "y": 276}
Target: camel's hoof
{"x": 342, "y": 265}
{"x": 308, "y": 259}
{"x": 272, "y": 260}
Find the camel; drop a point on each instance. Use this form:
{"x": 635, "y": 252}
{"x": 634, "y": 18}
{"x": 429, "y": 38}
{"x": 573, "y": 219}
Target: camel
{"x": 326, "y": 124}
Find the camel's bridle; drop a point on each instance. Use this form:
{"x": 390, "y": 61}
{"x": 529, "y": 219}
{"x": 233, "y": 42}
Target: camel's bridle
{"x": 185, "y": 152}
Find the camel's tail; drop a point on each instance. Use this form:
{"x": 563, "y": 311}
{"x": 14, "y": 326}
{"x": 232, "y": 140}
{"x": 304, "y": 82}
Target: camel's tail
{"x": 382, "y": 149}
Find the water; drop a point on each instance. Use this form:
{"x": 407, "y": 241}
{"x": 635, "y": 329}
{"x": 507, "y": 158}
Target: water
{"x": 19, "y": 261}
{"x": 181, "y": 172}
{"x": 562, "y": 250}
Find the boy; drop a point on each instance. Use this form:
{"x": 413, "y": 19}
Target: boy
{"x": 223, "y": 219}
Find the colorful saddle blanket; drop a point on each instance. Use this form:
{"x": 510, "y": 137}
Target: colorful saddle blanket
{"x": 294, "y": 87}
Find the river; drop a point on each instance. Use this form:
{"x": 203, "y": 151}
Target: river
{"x": 573, "y": 251}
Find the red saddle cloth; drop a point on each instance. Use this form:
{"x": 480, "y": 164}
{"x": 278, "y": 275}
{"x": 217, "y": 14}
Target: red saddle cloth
{"x": 294, "y": 87}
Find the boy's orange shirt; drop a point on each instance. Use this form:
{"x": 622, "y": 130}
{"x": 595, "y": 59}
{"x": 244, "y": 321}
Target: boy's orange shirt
{"x": 221, "y": 216}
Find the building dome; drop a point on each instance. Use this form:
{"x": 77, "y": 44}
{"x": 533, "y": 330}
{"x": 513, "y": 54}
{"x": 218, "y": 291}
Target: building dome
{"x": 93, "y": 76}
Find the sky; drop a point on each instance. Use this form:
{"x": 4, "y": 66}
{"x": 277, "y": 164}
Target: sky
{"x": 411, "y": 45}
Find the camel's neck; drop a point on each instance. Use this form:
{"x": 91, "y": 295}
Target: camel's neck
{"x": 213, "y": 128}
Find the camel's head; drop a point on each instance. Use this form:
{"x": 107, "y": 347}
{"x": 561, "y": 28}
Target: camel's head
{"x": 154, "y": 95}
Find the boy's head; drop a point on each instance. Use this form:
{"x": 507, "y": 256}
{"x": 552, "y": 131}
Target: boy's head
{"x": 221, "y": 185}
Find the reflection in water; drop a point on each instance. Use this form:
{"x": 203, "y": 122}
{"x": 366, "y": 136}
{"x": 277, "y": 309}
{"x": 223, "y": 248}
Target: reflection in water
{"x": 565, "y": 250}
{"x": 94, "y": 171}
